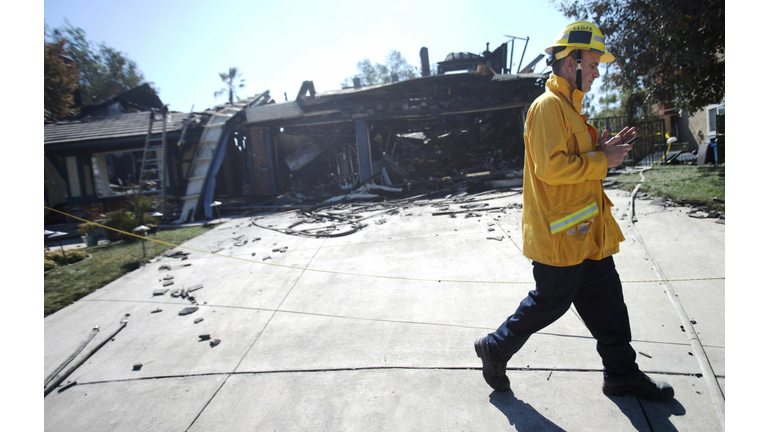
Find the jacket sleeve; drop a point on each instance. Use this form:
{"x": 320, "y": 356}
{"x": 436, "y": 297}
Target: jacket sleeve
{"x": 548, "y": 137}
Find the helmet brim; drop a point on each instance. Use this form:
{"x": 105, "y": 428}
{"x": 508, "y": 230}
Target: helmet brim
{"x": 605, "y": 56}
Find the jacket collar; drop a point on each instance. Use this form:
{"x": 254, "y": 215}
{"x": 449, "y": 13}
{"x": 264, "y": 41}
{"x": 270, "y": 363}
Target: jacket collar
{"x": 559, "y": 85}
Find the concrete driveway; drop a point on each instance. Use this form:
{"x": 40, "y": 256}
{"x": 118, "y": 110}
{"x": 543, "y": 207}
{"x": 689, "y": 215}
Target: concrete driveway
{"x": 374, "y": 330}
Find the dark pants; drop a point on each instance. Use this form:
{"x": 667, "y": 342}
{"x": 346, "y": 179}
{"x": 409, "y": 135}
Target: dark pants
{"x": 594, "y": 288}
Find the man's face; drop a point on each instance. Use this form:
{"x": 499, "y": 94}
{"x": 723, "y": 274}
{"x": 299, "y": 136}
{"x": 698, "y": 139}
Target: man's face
{"x": 589, "y": 69}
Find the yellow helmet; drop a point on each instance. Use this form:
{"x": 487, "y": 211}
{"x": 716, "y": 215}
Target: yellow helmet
{"x": 580, "y": 35}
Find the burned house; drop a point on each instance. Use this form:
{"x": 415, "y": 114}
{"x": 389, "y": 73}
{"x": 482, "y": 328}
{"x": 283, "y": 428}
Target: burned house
{"x": 92, "y": 159}
{"x": 131, "y": 144}
{"x": 418, "y": 133}
{"x": 465, "y": 123}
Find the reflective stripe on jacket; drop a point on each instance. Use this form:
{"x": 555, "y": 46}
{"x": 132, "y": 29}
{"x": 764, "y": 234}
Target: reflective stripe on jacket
{"x": 566, "y": 215}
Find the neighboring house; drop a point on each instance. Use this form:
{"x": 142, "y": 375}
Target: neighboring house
{"x": 691, "y": 130}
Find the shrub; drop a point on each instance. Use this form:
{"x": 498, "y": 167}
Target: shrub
{"x": 121, "y": 220}
{"x": 88, "y": 228}
{"x": 54, "y": 258}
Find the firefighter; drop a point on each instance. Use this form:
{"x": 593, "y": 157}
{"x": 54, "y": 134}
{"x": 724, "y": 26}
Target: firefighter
{"x": 569, "y": 233}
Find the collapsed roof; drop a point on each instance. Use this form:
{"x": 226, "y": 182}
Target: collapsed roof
{"x": 415, "y": 132}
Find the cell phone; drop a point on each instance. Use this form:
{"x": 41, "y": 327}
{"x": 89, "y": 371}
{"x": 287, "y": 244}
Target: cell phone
{"x": 631, "y": 141}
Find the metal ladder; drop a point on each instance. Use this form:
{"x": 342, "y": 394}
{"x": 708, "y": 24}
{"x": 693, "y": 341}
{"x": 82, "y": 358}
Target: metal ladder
{"x": 152, "y": 176}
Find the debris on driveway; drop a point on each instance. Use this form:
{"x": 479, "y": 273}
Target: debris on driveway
{"x": 345, "y": 215}
{"x": 176, "y": 254}
{"x": 167, "y": 267}
{"x": 705, "y": 213}
{"x": 188, "y": 310}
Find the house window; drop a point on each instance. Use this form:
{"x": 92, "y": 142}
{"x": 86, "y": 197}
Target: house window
{"x": 712, "y": 112}
{"x": 115, "y": 174}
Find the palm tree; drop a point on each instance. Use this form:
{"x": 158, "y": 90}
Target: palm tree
{"x": 229, "y": 79}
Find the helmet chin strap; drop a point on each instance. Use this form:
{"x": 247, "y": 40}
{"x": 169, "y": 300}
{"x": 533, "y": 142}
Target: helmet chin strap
{"x": 578, "y": 70}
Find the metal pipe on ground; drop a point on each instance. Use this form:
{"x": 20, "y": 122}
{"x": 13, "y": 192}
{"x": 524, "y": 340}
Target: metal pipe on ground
{"x": 69, "y": 371}
{"x": 72, "y": 357}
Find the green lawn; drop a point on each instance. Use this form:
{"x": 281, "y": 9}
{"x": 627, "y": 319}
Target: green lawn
{"x": 680, "y": 182}
{"x": 66, "y": 284}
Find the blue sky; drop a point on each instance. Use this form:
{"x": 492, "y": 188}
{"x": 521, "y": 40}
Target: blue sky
{"x": 181, "y": 46}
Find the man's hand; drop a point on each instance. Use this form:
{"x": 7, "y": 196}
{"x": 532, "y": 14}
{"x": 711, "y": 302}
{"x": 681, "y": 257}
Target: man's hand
{"x": 615, "y": 149}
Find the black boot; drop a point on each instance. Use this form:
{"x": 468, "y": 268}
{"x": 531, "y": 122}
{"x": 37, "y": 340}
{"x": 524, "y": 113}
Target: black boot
{"x": 495, "y": 373}
{"x": 640, "y": 385}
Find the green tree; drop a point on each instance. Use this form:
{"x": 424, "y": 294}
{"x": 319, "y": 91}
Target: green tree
{"x": 231, "y": 80}
{"x": 610, "y": 104}
{"x": 371, "y": 74}
{"x": 104, "y": 71}
{"x": 674, "y": 51}
{"x": 121, "y": 74}
{"x": 61, "y": 81}
{"x": 626, "y": 104}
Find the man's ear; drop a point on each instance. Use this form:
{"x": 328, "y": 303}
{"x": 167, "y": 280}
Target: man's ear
{"x": 568, "y": 66}
{"x": 570, "y": 63}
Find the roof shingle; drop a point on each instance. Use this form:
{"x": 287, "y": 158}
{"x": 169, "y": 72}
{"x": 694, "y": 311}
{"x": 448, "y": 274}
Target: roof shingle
{"x": 120, "y": 126}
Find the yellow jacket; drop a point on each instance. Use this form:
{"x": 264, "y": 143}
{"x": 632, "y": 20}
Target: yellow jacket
{"x": 566, "y": 215}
